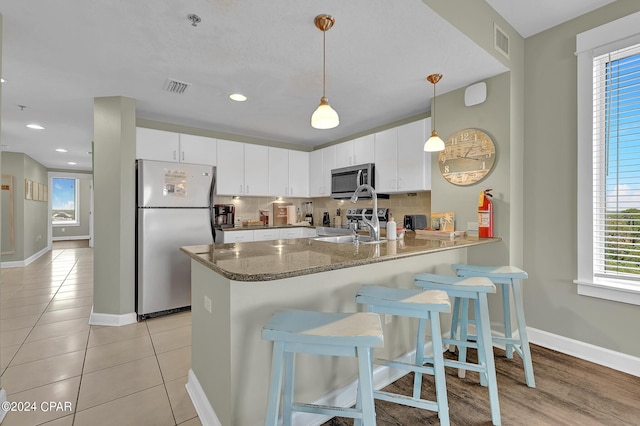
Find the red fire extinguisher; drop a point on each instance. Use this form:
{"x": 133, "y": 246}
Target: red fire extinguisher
{"x": 485, "y": 214}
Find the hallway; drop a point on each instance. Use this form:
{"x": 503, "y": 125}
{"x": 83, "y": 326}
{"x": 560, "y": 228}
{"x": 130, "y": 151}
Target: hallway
{"x": 130, "y": 375}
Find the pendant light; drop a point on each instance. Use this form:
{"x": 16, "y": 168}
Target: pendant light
{"x": 324, "y": 116}
{"x": 434, "y": 143}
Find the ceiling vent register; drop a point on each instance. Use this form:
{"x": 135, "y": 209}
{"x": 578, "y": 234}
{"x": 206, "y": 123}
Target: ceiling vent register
{"x": 175, "y": 86}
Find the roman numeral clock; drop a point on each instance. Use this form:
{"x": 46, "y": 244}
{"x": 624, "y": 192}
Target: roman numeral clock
{"x": 468, "y": 157}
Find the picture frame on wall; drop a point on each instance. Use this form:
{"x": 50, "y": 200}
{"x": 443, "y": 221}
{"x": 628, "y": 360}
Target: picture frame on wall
{"x": 40, "y": 192}
{"x": 28, "y": 189}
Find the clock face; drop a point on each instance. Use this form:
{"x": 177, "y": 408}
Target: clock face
{"x": 468, "y": 156}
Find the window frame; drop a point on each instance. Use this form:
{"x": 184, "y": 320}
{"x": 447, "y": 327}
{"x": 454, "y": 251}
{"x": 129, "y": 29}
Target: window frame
{"x": 76, "y": 222}
{"x": 590, "y": 44}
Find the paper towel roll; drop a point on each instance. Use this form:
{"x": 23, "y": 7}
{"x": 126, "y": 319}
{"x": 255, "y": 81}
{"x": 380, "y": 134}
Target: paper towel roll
{"x": 291, "y": 215}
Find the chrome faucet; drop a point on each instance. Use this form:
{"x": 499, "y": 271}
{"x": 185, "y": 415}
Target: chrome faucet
{"x": 373, "y": 225}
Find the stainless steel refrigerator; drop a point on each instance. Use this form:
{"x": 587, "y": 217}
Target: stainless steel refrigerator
{"x": 174, "y": 209}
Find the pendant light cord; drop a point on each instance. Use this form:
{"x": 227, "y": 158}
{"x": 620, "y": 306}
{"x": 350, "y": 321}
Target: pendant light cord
{"x": 324, "y": 63}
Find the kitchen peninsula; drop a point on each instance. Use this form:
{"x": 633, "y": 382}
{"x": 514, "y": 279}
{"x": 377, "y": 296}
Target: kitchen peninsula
{"x": 236, "y": 288}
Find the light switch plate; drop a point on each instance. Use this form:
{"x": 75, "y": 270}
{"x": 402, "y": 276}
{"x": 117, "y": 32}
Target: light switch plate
{"x": 207, "y": 304}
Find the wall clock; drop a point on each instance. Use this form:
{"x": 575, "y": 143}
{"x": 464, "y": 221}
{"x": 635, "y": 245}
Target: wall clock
{"x": 468, "y": 157}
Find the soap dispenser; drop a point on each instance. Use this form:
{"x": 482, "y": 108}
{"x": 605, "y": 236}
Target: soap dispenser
{"x": 392, "y": 230}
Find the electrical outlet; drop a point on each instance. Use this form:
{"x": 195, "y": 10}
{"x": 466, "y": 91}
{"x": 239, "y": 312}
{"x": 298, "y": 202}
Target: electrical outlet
{"x": 207, "y": 304}
{"x": 62, "y": 229}
{"x": 388, "y": 318}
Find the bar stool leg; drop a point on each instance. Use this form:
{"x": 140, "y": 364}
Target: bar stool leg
{"x": 506, "y": 308}
{"x": 485, "y": 348}
{"x": 365, "y": 383}
{"x": 438, "y": 370}
{"x": 455, "y": 318}
{"x": 287, "y": 398}
{"x": 522, "y": 330}
{"x": 273, "y": 401}
{"x": 417, "y": 377}
{"x": 358, "y": 422}
{"x": 464, "y": 331}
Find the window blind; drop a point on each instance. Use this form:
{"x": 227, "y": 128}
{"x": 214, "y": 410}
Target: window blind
{"x": 616, "y": 164}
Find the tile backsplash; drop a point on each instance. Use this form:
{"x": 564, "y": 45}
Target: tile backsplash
{"x": 248, "y": 208}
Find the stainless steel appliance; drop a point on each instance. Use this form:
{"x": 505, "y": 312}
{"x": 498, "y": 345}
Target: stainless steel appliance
{"x": 308, "y": 212}
{"x": 345, "y": 180}
{"x": 415, "y": 221}
{"x": 224, "y": 215}
{"x": 174, "y": 209}
{"x": 354, "y": 217}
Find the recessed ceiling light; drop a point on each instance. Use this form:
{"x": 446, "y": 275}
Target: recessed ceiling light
{"x": 2, "y": 80}
{"x": 71, "y": 163}
{"x": 238, "y": 97}
{"x": 35, "y": 126}
{"x": 61, "y": 150}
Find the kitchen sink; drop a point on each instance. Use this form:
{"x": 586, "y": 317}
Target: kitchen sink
{"x": 348, "y": 239}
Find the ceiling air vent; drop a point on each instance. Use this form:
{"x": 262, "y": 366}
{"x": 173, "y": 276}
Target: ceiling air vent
{"x": 175, "y": 86}
{"x": 500, "y": 40}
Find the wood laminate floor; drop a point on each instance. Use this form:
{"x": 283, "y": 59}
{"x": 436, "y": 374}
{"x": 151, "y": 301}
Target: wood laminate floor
{"x": 569, "y": 391}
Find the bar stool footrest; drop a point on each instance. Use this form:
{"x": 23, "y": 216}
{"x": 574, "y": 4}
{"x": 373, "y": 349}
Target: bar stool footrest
{"x": 407, "y": 366}
{"x": 406, "y": 400}
{"x": 328, "y": 410}
{"x": 467, "y": 344}
{"x": 465, "y": 366}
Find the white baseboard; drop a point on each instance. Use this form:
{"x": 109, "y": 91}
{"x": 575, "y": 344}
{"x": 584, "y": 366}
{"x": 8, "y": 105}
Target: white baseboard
{"x": 26, "y": 262}
{"x": 596, "y": 354}
{"x": 3, "y": 398}
{"x": 205, "y": 411}
{"x": 76, "y": 237}
{"x": 343, "y": 397}
{"x": 113, "y": 320}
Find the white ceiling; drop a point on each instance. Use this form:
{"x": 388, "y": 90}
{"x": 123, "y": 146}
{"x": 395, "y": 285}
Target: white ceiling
{"x": 58, "y": 56}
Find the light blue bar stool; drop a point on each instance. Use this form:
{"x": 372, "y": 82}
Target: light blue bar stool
{"x": 474, "y": 289}
{"x": 510, "y": 278}
{"x": 423, "y": 305}
{"x": 321, "y": 333}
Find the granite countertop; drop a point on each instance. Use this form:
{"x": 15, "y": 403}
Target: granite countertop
{"x": 277, "y": 259}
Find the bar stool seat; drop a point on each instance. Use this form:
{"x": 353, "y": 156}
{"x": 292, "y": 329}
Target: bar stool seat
{"x": 509, "y": 277}
{"x": 475, "y": 290}
{"x": 321, "y": 333}
{"x": 423, "y": 305}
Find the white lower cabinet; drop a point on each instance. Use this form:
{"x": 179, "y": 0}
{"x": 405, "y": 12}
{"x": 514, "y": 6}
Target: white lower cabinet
{"x": 246, "y": 235}
{"x": 226, "y": 237}
{"x": 266, "y": 234}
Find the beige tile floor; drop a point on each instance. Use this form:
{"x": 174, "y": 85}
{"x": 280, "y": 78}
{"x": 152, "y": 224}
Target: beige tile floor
{"x": 130, "y": 375}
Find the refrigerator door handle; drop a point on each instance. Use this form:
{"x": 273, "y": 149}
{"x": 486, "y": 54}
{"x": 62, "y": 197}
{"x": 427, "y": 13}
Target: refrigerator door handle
{"x": 212, "y": 190}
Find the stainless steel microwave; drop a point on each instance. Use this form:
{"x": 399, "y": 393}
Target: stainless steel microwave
{"x": 345, "y": 181}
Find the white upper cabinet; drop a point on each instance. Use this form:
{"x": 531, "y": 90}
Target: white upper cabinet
{"x": 298, "y": 174}
{"x": 386, "y": 160}
{"x": 157, "y": 145}
{"x": 344, "y": 154}
{"x": 364, "y": 150}
{"x": 256, "y": 169}
{"x": 198, "y": 150}
{"x": 161, "y": 145}
{"x": 356, "y": 151}
{"x": 401, "y": 163}
{"x": 278, "y": 172}
{"x": 230, "y": 170}
{"x": 414, "y": 164}
{"x": 315, "y": 173}
{"x": 328, "y": 164}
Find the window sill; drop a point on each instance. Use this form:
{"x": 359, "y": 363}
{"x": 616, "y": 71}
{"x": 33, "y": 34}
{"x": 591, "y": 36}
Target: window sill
{"x": 615, "y": 290}
{"x": 65, "y": 225}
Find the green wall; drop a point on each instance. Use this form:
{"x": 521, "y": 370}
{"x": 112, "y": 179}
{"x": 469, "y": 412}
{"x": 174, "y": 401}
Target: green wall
{"x": 114, "y": 205}
{"x": 30, "y": 217}
{"x": 550, "y": 174}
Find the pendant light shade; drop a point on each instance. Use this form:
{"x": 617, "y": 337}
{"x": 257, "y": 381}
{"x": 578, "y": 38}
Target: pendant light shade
{"x": 434, "y": 143}
{"x": 324, "y": 116}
